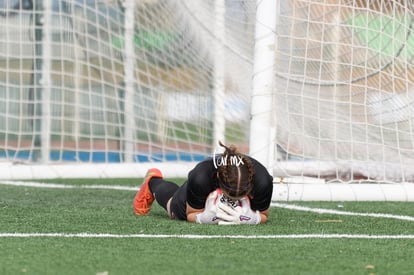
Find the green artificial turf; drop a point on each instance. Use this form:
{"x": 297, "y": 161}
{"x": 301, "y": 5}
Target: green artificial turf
{"x": 161, "y": 248}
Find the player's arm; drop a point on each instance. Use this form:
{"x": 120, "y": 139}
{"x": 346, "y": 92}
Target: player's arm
{"x": 192, "y": 213}
{"x": 264, "y": 215}
{"x": 200, "y": 206}
{"x": 263, "y": 191}
{"x": 205, "y": 215}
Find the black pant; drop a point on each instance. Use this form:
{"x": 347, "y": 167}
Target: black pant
{"x": 178, "y": 206}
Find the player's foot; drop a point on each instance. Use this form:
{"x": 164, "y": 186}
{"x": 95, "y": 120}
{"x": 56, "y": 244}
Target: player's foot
{"x": 144, "y": 198}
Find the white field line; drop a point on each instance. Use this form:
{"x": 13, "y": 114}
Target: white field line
{"x": 172, "y": 236}
{"x": 345, "y": 213}
{"x": 66, "y": 186}
{"x": 273, "y": 204}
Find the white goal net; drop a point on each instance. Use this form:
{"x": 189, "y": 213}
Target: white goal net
{"x": 344, "y": 88}
{"x": 137, "y": 83}
{"x": 343, "y": 95}
{"x": 318, "y": 90}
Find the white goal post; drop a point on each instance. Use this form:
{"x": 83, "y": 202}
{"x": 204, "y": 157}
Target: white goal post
{"x": 109, "y": 88}
{"x": 343, "y": 91}
{"x": 320, "y": 91}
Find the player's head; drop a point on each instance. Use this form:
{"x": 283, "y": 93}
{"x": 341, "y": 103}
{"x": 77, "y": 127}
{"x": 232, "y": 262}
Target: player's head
{"x": 235, "y": 173}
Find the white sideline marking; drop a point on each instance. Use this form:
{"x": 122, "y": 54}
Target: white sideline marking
{"x": 124, "y": 236}
{"x": 273, "y": 204}
{"x": 66, "y": 186}
{"x": 337, "y": 212}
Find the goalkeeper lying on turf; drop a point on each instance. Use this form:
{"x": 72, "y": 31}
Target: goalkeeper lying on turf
{"x": 230, "y": 188}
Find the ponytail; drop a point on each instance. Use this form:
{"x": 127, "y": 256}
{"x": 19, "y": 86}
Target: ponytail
{"x": 236, "y": 173}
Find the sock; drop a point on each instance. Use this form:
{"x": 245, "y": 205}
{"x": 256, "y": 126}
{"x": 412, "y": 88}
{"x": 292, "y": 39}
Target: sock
{"x": 162, "y": 190}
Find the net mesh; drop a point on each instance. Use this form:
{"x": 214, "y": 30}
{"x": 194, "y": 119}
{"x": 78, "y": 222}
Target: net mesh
{"x": 156, "y": 100}
{"x": 101, "y": 81}
{"x": 344, "y": 87}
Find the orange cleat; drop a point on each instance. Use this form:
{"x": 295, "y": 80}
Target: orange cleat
{"x": 144, "y": 198}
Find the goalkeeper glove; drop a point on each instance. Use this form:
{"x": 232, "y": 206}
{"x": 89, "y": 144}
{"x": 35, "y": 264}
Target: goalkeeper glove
{"x": 208, "y": 216}
{"x": 238, "y": 215}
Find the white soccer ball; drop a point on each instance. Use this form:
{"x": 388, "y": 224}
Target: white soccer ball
{"x": 226, "y": 200}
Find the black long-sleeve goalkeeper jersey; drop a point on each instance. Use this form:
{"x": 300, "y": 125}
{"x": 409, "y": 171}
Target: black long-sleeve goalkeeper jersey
{"x": 203, "y": 180}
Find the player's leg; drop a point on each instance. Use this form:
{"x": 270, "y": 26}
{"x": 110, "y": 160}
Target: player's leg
{"x": 163, "y": 191}
{"x": 177, "y": 205}
{"x": 143, "y": 199}
{"x": 153, "y": 184}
